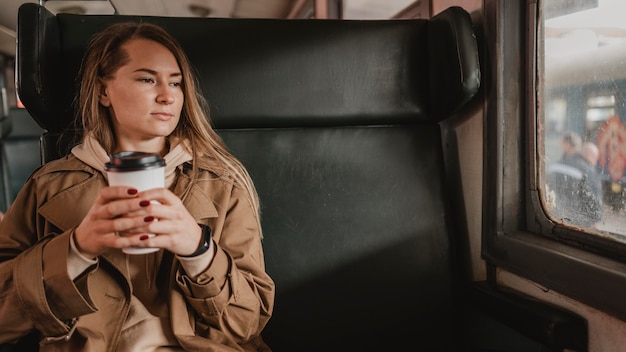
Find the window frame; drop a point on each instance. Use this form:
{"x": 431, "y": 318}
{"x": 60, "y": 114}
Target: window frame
{"x": 517, "y": 235}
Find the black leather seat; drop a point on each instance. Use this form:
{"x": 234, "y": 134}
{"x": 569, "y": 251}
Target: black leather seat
{"x": 338, "y": 124}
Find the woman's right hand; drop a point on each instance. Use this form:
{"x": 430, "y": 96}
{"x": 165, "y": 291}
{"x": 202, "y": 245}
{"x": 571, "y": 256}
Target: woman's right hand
{"x": 116, "y": 210}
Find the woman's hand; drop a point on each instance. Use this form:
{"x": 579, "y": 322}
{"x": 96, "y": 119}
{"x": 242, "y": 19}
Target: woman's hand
{"x": 176, "y": 230}
{"x": 120, "y": 217}
{"x": 117, "y": 209}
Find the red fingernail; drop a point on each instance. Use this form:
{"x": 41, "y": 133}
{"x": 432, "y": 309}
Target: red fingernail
{"x": 132, "y": 191}
{"x": 144, "y": 237}
{"x": 148, "y": 219}
{"x": 144, "y": 203}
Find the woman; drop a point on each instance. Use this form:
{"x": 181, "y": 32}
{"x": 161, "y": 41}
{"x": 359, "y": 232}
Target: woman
{"x": 206, "y": 289}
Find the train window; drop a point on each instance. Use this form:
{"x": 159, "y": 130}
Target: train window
{"x": 559, "y": 77}
{"x": 582, "y": 53}
{"x": 599, "y": 109}
{"x": 556, "y": 110}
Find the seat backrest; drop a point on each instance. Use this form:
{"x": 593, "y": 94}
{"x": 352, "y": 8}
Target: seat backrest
{"x": 337, "y": 122}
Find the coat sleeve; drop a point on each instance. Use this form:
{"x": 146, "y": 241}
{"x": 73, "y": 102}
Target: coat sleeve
{"x": 35, "y": 289}
{"x": 234, "y": 296}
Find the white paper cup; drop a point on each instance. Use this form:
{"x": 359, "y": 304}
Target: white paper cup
{"x": 139, "y": 170}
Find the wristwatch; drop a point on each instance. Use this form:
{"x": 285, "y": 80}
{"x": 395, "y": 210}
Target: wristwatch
{"x": 205, "y": 242}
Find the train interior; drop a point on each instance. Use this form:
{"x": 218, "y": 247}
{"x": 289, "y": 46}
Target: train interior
{"x": 404, "y": 153}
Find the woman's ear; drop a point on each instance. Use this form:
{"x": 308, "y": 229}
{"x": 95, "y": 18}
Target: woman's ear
{"x": 103, "y": 97}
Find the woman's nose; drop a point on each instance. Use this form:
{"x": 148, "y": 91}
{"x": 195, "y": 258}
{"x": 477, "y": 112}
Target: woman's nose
{"x": 165, "y": 96}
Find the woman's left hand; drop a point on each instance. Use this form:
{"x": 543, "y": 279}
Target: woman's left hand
{"x": 175, "y": 229}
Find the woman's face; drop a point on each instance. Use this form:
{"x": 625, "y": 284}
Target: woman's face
{"x": 144, "y": 97}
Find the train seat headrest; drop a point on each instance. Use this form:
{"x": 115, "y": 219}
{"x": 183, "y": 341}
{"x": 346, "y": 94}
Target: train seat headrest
{"x": 273, "y": 72}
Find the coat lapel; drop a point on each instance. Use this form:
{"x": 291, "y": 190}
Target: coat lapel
{"x": 198, "y": 202}
{"x": 67, "y": 208}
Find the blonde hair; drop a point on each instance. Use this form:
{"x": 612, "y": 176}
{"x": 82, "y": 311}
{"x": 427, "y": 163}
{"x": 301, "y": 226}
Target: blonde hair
{"x": 105, "y": 55}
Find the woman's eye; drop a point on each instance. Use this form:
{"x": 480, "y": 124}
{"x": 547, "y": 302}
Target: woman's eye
{"x": 146, "y": 80}
{"x": 176, "y": 84}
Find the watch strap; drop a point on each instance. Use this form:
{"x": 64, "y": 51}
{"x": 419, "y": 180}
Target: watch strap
{"x": 205, "y": 242}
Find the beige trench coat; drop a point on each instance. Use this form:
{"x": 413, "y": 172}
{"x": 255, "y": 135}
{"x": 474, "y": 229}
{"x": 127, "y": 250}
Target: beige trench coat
{"x": 225, "y": 310}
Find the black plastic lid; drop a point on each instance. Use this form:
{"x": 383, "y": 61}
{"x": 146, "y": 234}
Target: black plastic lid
{"x": 134, "y": 161}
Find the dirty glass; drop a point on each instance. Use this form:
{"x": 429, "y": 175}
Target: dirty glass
{"x": 581, "y": 114}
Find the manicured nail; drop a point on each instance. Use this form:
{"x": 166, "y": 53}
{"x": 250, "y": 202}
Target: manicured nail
{"x": 148, "y": 219}
{"x": 132, "y": 191}
{"x": 144, "y": 203}
{"x": 144, "y": 237}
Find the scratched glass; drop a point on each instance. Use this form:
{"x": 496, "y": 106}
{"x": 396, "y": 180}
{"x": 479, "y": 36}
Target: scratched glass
{"x": 582, "y": 114}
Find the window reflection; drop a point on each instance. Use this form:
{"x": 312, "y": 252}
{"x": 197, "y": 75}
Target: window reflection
{"x": 582, "y": 115}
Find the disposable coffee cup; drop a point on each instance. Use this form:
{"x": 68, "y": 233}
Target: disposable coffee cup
{"x": 141, "y": 171}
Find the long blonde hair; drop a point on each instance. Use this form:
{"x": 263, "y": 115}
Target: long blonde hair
{"x": 105, "y": 55}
